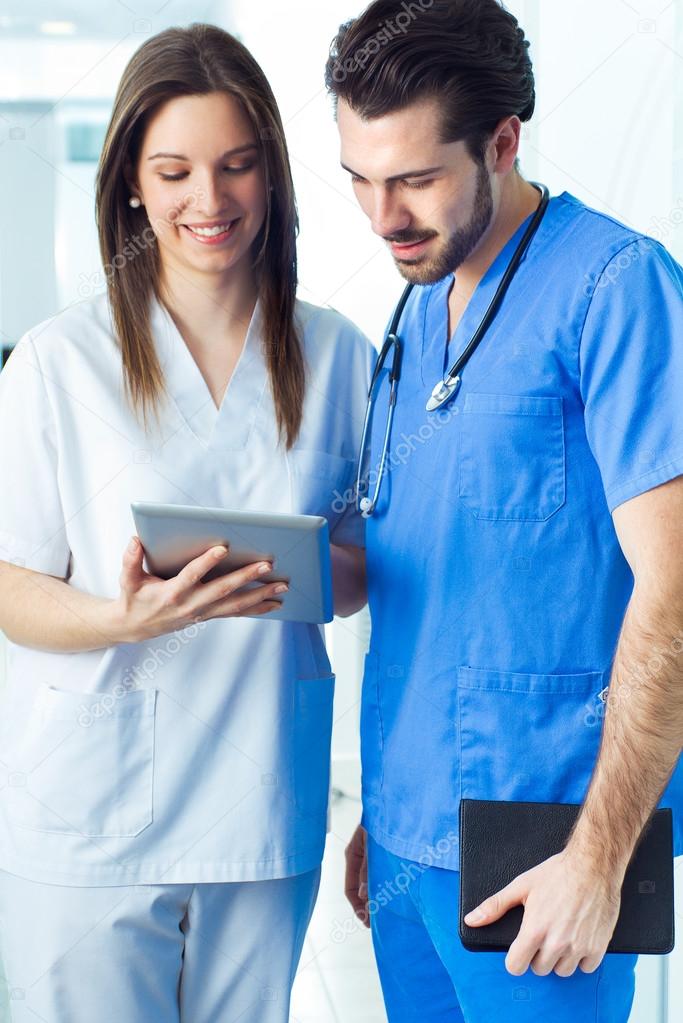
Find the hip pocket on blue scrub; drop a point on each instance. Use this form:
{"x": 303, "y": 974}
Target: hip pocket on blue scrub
{"x": 313, "y": 704}
{"x": 89, "y": 763}
{"x": 512, "y": 457}
{"x": 527, "y": 736}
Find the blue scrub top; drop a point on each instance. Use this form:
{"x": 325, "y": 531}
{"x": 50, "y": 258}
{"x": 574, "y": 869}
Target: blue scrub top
{"x": 497, "y": 586}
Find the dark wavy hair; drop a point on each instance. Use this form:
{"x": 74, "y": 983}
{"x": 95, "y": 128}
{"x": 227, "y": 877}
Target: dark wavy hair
{"x": 470, "y": 55}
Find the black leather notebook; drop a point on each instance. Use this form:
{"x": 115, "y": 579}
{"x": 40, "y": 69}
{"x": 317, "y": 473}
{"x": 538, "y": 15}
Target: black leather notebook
{"x": 499, "y": 840}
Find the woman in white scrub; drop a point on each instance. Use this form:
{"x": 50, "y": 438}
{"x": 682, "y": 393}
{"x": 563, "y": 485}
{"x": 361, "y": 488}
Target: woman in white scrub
{"x": 165, "y": 759}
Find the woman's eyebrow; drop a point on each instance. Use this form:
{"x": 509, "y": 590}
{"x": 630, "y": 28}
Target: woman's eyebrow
{"x": 228, "y": 152}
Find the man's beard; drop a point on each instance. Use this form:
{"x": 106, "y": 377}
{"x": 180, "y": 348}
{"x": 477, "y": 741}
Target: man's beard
{"x": 460, "y": 244}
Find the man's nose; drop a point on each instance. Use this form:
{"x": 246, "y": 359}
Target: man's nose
{"x": 388, "y": 216}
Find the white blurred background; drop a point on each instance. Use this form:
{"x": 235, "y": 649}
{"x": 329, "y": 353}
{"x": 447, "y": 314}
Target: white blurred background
{"x": 608, "y": 128}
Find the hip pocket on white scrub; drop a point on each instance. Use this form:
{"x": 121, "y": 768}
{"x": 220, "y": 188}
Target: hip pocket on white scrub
{"x": 313, "y": 706}
{"x": 527, "y": 737}
{"x": 87, "y": 763}
{"x": 512, "y": 461}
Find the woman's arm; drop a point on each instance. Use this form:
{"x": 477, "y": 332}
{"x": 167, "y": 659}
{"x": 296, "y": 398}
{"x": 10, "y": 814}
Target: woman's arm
{"x": 348, "y": 579}
{"x": 45, "y": 612}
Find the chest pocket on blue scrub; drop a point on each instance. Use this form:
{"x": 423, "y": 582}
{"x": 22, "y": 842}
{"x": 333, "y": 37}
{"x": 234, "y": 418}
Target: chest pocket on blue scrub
{"x": 512, "y": 461}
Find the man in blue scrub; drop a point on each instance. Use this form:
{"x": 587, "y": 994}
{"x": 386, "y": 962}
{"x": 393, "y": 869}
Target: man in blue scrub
{"x": 525, "y": 577}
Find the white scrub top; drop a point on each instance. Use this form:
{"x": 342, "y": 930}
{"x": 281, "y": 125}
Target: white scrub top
{"x": 203, "y": 754}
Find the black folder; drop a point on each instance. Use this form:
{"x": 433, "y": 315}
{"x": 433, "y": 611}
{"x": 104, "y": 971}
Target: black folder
{"x": 499, "y": 840}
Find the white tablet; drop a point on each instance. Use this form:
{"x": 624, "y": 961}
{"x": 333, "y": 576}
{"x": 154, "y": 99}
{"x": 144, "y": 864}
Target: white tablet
{"x": 298, "y": 546}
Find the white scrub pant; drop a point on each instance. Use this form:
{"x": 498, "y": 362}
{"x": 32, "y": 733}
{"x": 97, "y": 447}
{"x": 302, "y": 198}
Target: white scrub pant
{"x": 161, "y": 953}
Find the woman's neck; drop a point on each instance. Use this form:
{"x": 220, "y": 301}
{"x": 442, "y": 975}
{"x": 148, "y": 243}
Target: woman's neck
{"x": 210, "y": 308}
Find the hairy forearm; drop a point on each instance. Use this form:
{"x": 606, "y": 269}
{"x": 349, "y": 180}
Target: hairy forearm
{"x": 642, "y": 732}
{"x": 46, "y": 613}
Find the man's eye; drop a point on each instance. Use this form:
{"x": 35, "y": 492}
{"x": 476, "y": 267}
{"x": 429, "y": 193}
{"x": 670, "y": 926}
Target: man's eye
{"x": 416, "y": 184}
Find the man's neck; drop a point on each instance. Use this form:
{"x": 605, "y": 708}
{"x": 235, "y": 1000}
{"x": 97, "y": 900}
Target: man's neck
{"x": 518, "y": 200}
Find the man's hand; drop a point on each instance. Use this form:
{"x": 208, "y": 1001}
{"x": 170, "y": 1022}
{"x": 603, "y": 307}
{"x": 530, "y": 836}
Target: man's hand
{"x": 356, "y": 876}
{"x": 570, "y": 912}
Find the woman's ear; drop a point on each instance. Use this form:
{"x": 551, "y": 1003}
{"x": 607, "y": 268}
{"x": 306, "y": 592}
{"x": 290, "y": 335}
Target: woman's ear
{"x": 130, "y": 178}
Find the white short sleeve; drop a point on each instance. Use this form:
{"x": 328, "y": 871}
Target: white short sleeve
{"x": 349, "y": 530}
{"x": 32, "y": 528}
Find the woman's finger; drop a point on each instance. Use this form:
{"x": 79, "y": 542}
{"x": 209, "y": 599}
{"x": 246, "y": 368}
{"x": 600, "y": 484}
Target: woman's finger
{"x": 132, "y": 571}
{"x": 196, "y": 569}
{"x": 218, "y": 589}
{"x": 245, "y": 602}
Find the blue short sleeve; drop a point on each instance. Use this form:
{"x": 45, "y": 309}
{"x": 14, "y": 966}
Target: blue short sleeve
{"x": 631, "y": 371}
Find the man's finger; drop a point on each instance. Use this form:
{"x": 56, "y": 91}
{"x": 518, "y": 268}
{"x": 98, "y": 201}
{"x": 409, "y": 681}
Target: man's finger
{"x": 520, "y": 954}
{"x": 589, "y": 964}
{"x": 358, "y": 901}
{"x": 566, "y": 966}
{"x": 498, "y": 904}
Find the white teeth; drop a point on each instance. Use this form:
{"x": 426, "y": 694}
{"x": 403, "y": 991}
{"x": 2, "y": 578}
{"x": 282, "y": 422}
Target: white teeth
{"x": 210, "y": 232}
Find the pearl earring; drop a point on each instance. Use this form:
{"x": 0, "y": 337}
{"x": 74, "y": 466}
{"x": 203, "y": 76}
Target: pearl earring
{"x": 134, "y": 201}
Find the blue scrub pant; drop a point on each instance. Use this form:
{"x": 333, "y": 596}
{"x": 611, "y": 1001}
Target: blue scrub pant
{"x": 159, "y": 953}
{"x": 429, "y": 977}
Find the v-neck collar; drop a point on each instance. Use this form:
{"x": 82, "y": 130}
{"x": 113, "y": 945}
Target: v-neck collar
{"x": 229, "y": 426}
{"x": 434, "y": 335}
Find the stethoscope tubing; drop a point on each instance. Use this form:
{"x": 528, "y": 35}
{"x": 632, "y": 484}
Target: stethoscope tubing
{"x": 448, "y": 386}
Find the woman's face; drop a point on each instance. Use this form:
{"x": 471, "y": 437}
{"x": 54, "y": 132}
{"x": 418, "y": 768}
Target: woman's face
{"x": 200, "y": 176}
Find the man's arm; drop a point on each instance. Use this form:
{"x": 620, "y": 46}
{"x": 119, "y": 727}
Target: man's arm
{"x": 643, "y": 728}
{"x": 571, "y": 900}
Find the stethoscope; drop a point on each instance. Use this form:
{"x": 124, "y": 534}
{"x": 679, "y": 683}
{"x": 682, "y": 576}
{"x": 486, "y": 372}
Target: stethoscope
{"x": 448, "y": 386}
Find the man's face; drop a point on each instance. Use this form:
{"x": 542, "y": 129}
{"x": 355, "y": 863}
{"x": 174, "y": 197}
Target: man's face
{"x": 429, "y": 200}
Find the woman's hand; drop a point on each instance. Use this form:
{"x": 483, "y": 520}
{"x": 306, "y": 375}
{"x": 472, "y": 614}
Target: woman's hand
{"x": 148, "y": 606}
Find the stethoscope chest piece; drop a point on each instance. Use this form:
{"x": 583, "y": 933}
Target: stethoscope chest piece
{"x": 443, "y": 392}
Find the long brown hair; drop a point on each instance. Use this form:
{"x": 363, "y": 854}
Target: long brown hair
{"x": 197, "y": 60}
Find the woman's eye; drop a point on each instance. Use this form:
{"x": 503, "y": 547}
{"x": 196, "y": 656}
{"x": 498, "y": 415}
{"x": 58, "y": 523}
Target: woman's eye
{"x": 239, "y": 170}
{"x": 355, "y": 179}
{"x": 228, "y": 170}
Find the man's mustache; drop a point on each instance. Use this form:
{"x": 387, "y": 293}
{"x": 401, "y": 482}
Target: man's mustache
{"x": 408, "y": 237}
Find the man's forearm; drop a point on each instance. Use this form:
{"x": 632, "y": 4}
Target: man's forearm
{"x": 642, "y": 733}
